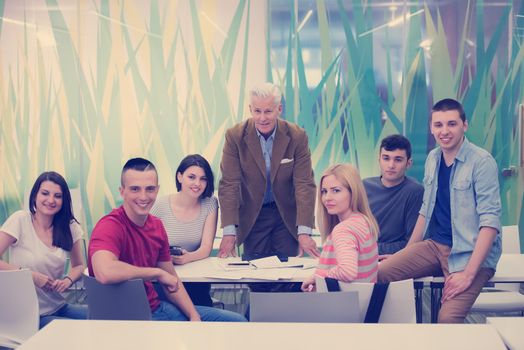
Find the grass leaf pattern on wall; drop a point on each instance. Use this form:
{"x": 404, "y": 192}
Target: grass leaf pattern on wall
{"x": 151, "y": 79}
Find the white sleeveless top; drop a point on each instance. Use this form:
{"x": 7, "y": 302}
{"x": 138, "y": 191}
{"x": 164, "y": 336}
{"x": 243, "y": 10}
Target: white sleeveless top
{"x": 188, "y": 235}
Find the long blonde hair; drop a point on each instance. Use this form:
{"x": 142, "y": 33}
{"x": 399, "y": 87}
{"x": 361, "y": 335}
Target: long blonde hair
{"x": 349, "y": 177}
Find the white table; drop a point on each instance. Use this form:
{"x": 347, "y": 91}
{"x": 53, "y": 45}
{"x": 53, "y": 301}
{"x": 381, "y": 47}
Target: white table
{"x": 208, "y": 270}
{"x": 510, "y": 269}
{"x": 510, "y": 329}
{"x": 130, "y": 335}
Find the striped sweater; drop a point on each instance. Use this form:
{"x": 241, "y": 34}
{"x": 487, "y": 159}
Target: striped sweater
{"x": 187, "y": 234}
{"x": 350, "y": 252}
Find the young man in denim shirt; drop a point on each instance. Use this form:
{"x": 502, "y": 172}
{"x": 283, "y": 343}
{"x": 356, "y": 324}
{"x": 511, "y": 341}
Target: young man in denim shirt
{"x": 459, "y": 219}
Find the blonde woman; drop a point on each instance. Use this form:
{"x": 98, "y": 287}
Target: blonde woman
{"x": 347, "y": 227}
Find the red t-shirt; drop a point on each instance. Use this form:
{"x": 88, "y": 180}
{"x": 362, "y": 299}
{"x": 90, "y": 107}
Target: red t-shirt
{"x": 142, "y": 246}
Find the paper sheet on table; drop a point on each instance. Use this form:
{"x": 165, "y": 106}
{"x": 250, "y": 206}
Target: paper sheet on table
{"x": 309, "y": 264}
{"x": 273, "y": 262}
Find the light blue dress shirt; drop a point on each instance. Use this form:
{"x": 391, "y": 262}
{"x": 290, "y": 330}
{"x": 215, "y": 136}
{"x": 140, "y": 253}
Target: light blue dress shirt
{"x": 474, "y": 201}
{"x": 267, "y": 151}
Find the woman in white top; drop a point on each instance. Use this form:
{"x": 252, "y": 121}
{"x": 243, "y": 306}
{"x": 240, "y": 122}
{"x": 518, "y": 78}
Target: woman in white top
{"x": 41, "y": 240}
{"x": 190, "y": 218}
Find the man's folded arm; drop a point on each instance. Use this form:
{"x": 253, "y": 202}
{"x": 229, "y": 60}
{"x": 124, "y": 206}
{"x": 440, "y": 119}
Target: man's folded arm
{"x": 108, "y": 269}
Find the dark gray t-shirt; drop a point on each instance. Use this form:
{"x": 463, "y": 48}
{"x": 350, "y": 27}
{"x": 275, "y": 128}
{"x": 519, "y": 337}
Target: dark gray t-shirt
{"x": 396, "y": 210}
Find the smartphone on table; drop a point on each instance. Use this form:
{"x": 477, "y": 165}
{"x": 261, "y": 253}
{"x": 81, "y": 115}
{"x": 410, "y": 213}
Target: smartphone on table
{"x": 175, "y": 250}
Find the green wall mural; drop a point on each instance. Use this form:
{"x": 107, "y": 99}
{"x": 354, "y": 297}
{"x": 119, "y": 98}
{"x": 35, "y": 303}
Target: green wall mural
{"x": 470, "y": 50}
{"x": 86, "y": 84}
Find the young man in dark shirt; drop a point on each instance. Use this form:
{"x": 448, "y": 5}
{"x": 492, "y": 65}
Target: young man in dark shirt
{"x": 394, "y": 198}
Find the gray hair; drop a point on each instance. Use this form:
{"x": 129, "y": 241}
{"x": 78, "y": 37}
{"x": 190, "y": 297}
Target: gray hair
{"x": 267, "y": 89}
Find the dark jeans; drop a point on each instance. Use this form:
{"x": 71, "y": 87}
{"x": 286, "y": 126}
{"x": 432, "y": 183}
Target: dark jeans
{"x": 198, "y": 292}
{"x": 169, "y": 312}
{"x": 68, "y": 311}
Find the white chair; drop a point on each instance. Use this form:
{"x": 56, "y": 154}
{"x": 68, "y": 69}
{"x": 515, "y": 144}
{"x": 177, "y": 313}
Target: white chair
{"x": 19, "y": 313}
{"x": 503, "y": 297}
{"x": 399, "y": 303}
{"x": 339, "y": 307}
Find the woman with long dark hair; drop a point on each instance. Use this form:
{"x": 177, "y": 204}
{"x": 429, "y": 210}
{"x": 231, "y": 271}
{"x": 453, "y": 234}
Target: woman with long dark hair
{"x": 190, "y": 218}
{"x": 41, "y": 239}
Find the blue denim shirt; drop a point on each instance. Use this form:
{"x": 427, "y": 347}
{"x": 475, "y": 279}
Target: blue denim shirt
{"x": 474, "y": 201}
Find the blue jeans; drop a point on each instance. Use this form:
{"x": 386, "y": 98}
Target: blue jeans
{"x": 198, "y": 292}
{"x": 77, "y": 312}
{"x": 169, "y": 312}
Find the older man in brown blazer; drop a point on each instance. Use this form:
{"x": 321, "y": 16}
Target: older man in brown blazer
{"x": 267, "y": 189}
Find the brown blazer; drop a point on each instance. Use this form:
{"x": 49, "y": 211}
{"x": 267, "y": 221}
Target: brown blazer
{"x": 243, "y": 183}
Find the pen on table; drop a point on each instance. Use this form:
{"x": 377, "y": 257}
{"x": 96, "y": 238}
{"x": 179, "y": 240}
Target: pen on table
{"x": 239, "y": 263}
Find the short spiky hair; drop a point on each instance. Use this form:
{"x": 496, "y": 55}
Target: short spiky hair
{"x": 139, "y": 164}
{"x": 394, "y": 142}
{"x": 449, "y": 104}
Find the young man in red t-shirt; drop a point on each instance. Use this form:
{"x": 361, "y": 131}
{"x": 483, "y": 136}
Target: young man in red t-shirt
{"x": 129, "y": 243}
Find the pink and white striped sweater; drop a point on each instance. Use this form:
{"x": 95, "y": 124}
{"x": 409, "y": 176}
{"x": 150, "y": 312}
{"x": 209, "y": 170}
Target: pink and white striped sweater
{"x": 350, "y": 252}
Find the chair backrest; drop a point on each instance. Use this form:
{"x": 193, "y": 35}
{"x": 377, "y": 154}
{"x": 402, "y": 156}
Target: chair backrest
{"x": 399, "y": 304}
{"x": 120, "y": 301}
{"x": 19, "y": 312}
{"x": 510, "y": 239}
{"x": 304, "y": 307}
{"x": 510, "y": 245}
